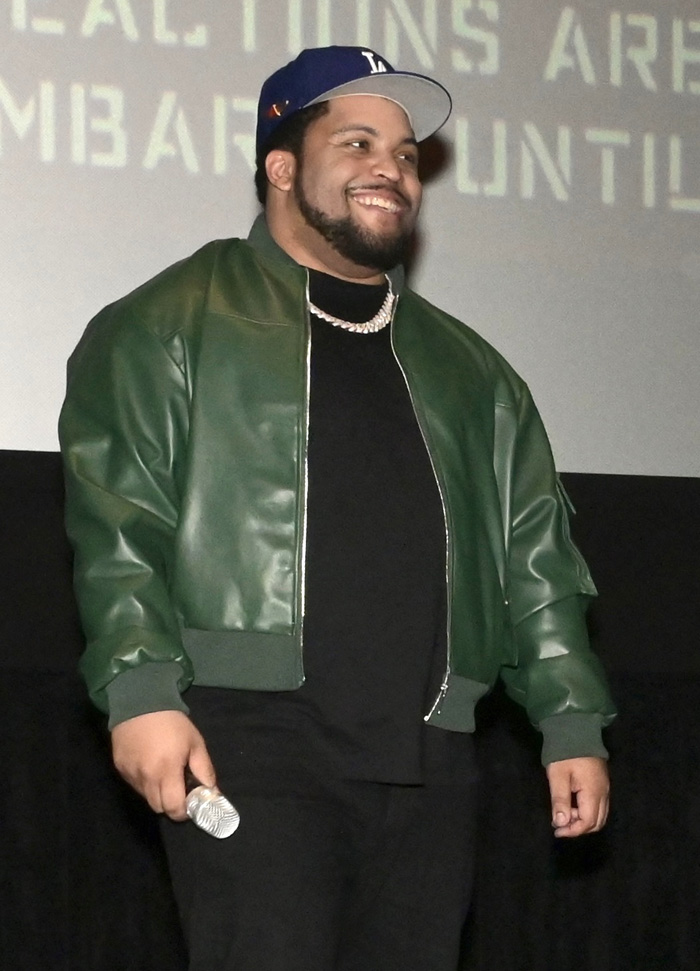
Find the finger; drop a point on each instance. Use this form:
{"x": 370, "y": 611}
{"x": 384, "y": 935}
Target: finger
{"x": 172, "y": 794}
{"x": 562, "y": 810}
{"x": 594, "y": 804}
{"x": 602, "y": 815}
{"x": 588, "y": 804}
{"x": 586, "y": 822}
{"x": 149, "y": 787}
{"x": 201, "y": 765}
{"x": 575, "y": 828}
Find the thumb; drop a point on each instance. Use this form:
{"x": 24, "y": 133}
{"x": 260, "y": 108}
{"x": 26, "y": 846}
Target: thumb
{"x": 560, "y": 791}
{"x": 201, "y": 765}
{"x": 561, "y": 813}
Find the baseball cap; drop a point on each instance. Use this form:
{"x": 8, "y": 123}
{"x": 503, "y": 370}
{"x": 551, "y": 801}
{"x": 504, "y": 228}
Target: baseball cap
{"x": 320, "y": 73}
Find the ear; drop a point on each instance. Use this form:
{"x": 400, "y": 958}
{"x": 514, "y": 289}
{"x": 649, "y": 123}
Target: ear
{"x": 280, "y": 166}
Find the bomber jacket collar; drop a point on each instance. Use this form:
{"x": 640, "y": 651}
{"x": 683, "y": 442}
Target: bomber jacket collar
{"x": 261, "y": 240}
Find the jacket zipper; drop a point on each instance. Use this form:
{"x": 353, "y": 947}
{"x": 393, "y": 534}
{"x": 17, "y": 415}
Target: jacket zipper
{"x": 305, "y": 503}
{"x": 448, "y": 670}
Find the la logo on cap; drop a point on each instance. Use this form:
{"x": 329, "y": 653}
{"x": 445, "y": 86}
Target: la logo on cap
{"x": 377, "y": 66}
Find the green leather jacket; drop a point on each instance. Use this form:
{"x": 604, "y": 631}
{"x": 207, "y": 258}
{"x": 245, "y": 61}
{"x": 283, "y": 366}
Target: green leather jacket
{"x": 184, "y": 436}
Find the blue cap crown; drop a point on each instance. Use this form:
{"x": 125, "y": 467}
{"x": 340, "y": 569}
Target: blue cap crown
{"x": 330, "y": 72}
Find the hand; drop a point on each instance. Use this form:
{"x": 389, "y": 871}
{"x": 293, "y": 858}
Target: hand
{"x": 587, "y": 779}
{"x": 151, "y": 752}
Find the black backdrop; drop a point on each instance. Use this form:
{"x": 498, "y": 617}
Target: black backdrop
{"x": 82, "y": 879}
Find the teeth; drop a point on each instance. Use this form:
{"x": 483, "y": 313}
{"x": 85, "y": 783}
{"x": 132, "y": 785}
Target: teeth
{"x": 377, "y": 201}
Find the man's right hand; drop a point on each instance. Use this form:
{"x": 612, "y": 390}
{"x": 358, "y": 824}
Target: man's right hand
{"x": 152, "y": 751}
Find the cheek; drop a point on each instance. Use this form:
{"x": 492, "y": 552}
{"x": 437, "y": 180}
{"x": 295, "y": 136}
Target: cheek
{"x": 325, "y": 190}
{"x": 416, "y": 192}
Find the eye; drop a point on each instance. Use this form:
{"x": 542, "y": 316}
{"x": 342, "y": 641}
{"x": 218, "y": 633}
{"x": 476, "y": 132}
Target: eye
{"x": 410, "y": 158}
{"x": 360, "y": 143}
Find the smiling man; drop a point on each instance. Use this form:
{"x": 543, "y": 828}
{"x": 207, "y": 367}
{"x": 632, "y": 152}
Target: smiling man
{"x": 348, "y": 205}
{"x": 315, "y": 518}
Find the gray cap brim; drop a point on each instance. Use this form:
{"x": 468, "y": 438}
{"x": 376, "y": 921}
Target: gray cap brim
{"x": 426, "y": 102}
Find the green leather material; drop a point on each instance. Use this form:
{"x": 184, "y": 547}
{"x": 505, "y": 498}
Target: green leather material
{"x": 184, "y": 441}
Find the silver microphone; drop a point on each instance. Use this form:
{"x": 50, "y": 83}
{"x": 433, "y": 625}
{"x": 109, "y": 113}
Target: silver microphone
{"x": 209, "y": 809}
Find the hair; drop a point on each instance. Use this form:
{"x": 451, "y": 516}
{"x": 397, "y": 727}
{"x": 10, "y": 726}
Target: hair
{"x": 289, "y": 136}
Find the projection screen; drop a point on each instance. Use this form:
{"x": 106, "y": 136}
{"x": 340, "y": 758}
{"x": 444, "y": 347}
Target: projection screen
{"x": 563, "y": 223}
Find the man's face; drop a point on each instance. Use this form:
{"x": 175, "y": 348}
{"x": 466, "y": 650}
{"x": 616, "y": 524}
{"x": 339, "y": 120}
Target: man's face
{"x": 356, "y": 184}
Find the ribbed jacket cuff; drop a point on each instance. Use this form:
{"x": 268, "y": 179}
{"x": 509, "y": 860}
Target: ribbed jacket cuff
{"x": 572, "y": 736}
{"x": 146, "y": 688}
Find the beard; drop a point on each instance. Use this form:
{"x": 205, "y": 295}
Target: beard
{"x": 355, "y": 243}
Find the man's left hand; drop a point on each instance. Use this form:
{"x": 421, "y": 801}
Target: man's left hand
{"x": 587, "y": 780}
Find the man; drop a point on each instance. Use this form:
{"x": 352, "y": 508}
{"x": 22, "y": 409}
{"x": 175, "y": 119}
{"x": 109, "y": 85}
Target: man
{"x": 314, "y": 519}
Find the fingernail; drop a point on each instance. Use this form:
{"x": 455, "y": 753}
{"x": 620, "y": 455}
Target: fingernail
{"x": 560, "y": 819}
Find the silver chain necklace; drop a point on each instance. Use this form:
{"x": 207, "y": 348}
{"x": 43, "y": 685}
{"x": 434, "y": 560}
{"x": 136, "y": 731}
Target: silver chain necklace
{"x": 379, "y": 321}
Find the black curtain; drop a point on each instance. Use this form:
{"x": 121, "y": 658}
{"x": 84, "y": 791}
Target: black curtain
{"x": 83, "y": 885}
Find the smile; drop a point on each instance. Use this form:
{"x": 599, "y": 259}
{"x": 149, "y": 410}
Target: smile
{"x": 380, "y": 202}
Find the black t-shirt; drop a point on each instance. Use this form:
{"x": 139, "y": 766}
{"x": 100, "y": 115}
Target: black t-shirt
{"x": 375, "y": 547}
{"x": 374, "y": 629}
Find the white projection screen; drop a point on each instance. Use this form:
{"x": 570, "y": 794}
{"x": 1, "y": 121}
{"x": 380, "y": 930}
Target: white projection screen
{"x": 563, "y": 225}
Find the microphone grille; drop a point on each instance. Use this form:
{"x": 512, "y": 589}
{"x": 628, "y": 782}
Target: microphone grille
{"x": 212, "y": 812}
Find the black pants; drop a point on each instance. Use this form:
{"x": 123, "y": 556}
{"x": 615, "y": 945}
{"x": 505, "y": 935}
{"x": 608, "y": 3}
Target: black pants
{"x": 326, "y": 874}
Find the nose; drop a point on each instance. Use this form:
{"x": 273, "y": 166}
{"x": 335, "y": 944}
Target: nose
{"x": 385, "y": 165}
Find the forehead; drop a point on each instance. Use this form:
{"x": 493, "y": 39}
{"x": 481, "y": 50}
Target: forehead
{"x": 387, "y": 117}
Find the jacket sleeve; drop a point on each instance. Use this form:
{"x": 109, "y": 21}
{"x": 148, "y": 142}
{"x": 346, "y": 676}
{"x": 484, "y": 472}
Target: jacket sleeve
{"x": 557, "y": 678}
{"x": 122, "y": 429}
